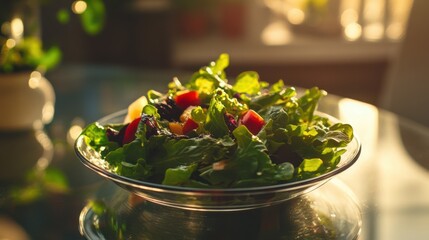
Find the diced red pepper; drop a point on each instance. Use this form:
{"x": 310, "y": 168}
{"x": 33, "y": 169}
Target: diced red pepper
{"x": 130, "y": 132}
{"x": 186, "y": 99}
{"x": 189, "y": 125}
{"x": 253, "y": 121}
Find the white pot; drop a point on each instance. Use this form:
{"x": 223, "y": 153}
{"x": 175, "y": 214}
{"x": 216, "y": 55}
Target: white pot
{"x": 27, "y": 101}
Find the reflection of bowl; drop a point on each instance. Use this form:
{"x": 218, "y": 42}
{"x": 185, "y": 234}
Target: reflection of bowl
{"x": 22, "y": 152}
{"x": 210, "y": 199}
{"x": 330, "y": 212}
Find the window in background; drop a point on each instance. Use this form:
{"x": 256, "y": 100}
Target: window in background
{"x": 369, "y": 20}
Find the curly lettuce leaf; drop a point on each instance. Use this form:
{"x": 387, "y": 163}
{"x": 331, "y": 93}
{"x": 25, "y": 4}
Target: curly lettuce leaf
{"x": 232, "y": 105}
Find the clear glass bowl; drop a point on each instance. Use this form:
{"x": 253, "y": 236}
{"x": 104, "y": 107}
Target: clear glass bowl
{"x": 210, "y": 199}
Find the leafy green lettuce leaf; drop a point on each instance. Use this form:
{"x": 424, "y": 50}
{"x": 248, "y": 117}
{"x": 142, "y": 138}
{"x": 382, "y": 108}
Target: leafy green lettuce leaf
{"x": 306, "y": 105}
{"x": 129, "y": 160}
{"x": 218, "y": 67}
{"x": 215, "y": 119}
{"x": 318, "y": 139}
{"x": 276, "y": 96}
{"x": 310, "y": 168}
{"x": 232, "y": 105}
{"x": 166, "y": 152}
{"x": 247, "y": 82}
{"x": 209, "y": 78}
{"x": 250, "y": 165}
{"x": 95, "y": 136}
{"x": 179, "y": 175}
{"x": 139, "y": 170}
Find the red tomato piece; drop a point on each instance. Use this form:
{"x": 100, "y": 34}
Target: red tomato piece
{"x": 186, "y": 99}
{"x": 253, "y": 121}
{"x": 189, "y": 126}
{"x": 130, "y": 131}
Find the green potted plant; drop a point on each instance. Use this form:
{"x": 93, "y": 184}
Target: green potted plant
{"x": 26, "y": 98}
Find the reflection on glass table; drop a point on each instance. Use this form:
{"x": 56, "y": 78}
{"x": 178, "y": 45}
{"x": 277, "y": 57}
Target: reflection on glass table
{"x": 330, "y": 212}
{"x": 28, "y": 170}
{"x": 391, "y": 178}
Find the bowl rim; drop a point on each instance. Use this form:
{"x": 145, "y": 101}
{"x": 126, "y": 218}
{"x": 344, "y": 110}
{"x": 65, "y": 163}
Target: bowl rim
{"x": 157, "y": 187}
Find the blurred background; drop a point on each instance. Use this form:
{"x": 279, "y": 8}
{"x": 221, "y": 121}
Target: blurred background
{"x": 347, "y": 47}
{"x": 343, "y": 46}
{"x": 100, "y": 55}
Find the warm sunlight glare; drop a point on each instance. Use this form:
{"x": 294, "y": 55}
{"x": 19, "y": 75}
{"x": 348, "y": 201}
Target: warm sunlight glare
{"x": 353, "y": 31}
{"x": 295, "y": 16}
{"x": 373, "y": 16}
{"x": 75, "y": 131}
{"x": 395, "y": 31}
{"x": 398, "y": 12}
{"x": 48, "y": 149}
{"x": 34, "y": 80}
{"x": 17, "y": 28}
{"x": 275, "y": 5}
{"x": 364, "y": 118}
{"x": 10, "y": 43}
{"x": 349, "y": 16}
{"x": 79, "y": 6}
{"x": 276, "y": 33}
{"x": 48, "y": 112}
{"x": 374, "y": 31}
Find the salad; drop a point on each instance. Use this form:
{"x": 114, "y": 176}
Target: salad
{"x": 208, "y": 133}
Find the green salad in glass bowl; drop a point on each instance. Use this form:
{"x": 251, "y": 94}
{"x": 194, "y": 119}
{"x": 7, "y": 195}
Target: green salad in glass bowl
{"x": 211, "y": 145}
